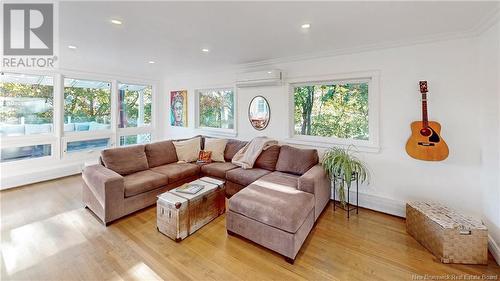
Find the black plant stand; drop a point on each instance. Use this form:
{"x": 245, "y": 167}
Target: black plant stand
{"x": 348, "y": 207}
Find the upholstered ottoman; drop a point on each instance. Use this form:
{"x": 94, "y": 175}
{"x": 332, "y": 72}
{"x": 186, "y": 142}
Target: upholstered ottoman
{"x": 274, "y": 215}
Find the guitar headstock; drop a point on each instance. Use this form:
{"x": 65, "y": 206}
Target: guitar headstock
{"x": 423, "y": 86}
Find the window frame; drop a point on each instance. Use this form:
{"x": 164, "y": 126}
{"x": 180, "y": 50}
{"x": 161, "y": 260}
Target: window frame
{"x": 85, "y": 137}
{"x": 55, "y": 89}
{"x": 370, "y": 145}
{"x": 38, "y": 141}
{"x": 216, "y": 132}
{"x": 118, "y": 143}
{"x": 58, "y": 138}
{"x": 147, "y": 129}
{"x": 86, "y": 133}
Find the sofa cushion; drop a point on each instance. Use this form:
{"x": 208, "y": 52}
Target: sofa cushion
{"x": 283, "y": 207}
{"x": 217, "y": 170}
{"x": 279, "y": 178}
{"x": 177, "y": 171}
{"x": 232, "y": 147}
{"x": 268, "y": 158}
{"x": 161, "y": 153}
{"x": 143, "y": 181}
{"x": 201, "y": 138}
{"x": 245, "y": 176}
{"x": 125, "y": 160}
{"x": 295, "y": 160}
{"x": 217, "y": 147}
{"x": 188, "y": 150}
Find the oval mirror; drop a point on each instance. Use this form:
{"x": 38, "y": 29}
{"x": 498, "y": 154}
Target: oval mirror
{"x": 259, "y": 113}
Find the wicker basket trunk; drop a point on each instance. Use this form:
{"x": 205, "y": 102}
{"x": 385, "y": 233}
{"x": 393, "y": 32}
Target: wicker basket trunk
{"x": 450, "y": 236}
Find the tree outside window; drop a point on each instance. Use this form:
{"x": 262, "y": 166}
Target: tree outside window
{"x": 135, "y": 105}
{"x": 87, "y": 105}
{"x": 26, "y": 104}
{"x": 332, "y": 110}
{"x": 216, "y": 108}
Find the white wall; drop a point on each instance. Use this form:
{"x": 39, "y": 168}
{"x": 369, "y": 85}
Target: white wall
{"x": 450, "y": 68}
{"x": 489, "y": 63}
{"x": 464, "y": 98}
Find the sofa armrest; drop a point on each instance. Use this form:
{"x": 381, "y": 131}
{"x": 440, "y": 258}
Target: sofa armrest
{"x": 316, "y": 181}
{"x": 104, "y": 191}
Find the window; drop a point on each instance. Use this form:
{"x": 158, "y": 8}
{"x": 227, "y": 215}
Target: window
{"x": 25, "y": 152}
{"x": 87, "y": 105}
{"x": 135, "y": 139}
{"x": 135, "y": 105}
{"x": 216, "y": 108}
{"x": 85, "y": 145}
{"x": 338, "y": 110}
{"x": 27, "y": 103}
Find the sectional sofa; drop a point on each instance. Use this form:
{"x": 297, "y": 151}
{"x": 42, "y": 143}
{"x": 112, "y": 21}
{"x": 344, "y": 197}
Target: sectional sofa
{"x": 274, "y": 204}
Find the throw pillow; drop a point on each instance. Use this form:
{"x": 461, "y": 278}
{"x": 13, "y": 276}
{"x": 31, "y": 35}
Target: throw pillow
{"x": 205, "y": 157}
{"x": 188, "y": 150}
{"x": 217, "y": 146}
{"x": 295, "y": 160}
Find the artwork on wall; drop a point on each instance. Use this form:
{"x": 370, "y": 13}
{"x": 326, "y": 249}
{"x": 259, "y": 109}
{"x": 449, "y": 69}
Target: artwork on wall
{"x": 178, "y": 108}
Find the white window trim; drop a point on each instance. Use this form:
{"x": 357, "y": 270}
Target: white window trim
{"x": 145, "y": 129}
{"x": 58, "y": 138}
{"x": 113, "y": 105}
{"x": 371, "y": 145}
{"x": 215, "y": 132}
{"x": 148, "y": 126}
{"x": 95, "y": 136}
{"x": 133, "y": 134}
{"x": 53, "y": 151}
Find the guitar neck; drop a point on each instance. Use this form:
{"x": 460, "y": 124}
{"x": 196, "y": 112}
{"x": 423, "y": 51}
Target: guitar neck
{"x": 425, "y": 119}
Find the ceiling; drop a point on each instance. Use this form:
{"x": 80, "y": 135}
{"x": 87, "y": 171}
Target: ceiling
{"x": 172, "y": 34}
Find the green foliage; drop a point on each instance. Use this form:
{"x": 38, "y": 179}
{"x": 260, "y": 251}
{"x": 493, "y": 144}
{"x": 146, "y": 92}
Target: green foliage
{"x": 131, "y": 106}
{"x": 16, "y": 103}
{"x": 339, "y": 110}
{"x": 340, "y": 163}
{"x": 217, "y": 109}
{"x": 87, "y": 104}
{"x": 81, "y": 104}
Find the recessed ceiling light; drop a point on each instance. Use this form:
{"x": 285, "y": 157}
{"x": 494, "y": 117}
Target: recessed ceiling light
{"x": 205, "y": 50}
{"x": 117, "y": 22}
{"x": 306, "y": 26}
{"x": 72, "y": 47}
{"x": 151, "y": 62}
{"x": 269, "y": 72}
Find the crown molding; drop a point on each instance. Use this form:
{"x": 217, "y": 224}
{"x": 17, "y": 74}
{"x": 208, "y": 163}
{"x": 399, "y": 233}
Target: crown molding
{"x": 484, "y": 24}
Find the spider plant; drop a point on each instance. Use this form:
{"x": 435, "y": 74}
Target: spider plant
{"x": 340, "y": 163}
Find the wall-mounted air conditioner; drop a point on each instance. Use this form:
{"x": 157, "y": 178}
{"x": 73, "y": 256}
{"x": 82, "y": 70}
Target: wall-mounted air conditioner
{"x": 259, "y": 78}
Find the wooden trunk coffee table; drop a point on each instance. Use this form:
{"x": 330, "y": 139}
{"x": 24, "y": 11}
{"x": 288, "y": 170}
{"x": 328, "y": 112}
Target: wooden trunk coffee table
{"x": 180, "y": 214}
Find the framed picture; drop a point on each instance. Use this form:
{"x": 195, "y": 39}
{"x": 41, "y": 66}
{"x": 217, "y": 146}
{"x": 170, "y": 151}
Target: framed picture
{"x": 178, "y": 108}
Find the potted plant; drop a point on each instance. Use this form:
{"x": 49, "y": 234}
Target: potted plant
{"x": 340, "y": 163}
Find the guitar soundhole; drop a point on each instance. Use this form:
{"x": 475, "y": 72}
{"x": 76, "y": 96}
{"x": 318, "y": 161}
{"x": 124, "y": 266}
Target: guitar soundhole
{"x": 425, "y": 132}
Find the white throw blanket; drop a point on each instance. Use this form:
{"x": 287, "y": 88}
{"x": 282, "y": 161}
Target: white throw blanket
{"x": 246, "y": 156}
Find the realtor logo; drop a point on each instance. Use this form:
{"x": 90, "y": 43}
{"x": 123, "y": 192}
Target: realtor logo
{"x": 28, "y": 29}
{"x": 29, "y": 35}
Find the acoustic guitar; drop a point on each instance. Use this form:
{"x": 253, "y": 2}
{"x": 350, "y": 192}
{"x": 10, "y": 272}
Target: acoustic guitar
{"x": 425, "y": 142}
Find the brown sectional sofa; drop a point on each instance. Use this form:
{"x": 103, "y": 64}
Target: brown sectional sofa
{"x": 274, "y": 204}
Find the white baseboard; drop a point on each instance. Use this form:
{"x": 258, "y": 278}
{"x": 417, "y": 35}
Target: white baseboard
{"x": 41, "y": 175}
{"x": 494, "y": 249}
{"x": 380, "y": 204}
{"x": 398, "y": 208}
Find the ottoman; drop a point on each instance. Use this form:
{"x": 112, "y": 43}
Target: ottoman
{"x": 276, "y": 216}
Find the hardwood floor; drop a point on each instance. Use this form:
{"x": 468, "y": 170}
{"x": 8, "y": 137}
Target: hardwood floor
{"x": 46, "y": 234}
